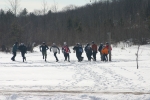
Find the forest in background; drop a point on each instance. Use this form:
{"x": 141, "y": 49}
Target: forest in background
{"x": 124, "y": 19}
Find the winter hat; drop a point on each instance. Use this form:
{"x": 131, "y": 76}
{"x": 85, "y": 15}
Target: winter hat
{"x": 107, "y": 43}
{"x": 16, "y": 42}
{"x": 22, "y": 43}
{"x": 87, "y": 44}
{"x": 65, "y": 43}
{"x": 54, "y": 43}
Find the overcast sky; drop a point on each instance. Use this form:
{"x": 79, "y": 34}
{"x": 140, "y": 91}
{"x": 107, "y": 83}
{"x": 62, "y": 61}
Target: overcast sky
{"x": 32, "y": 5}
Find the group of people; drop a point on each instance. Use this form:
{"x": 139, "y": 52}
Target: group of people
{"x": 91, "y": 51}
{"x": 104, "y": 51}
{"x": 54, "y": 48}
{"x": 22, "y": 48}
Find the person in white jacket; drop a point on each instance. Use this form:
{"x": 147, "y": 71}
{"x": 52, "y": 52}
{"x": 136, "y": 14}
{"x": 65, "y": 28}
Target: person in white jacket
{"x": 55, "y": 49}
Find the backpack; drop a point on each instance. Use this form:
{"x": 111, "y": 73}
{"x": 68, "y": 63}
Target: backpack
{"x": 66, "y": 49}
{"x": 80, "y": 49}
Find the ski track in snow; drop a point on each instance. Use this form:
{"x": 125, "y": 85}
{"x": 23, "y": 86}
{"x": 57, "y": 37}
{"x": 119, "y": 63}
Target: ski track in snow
{"x": 82, "y": 72}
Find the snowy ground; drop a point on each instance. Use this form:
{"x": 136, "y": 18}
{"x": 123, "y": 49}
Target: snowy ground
{"x": 36, "y": 79}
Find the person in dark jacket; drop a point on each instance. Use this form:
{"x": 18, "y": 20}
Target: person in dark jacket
{"x": 100, "y": 50}
{"x": 14, "y": 51}
{"x": 76, "y": 50}
{"x": 79, "y": 50}
{"x": 23, "y": 50}
{"x": 55, "y": 49}
{"x": 43, "y": 49}
{"x": 85, "y": 49}
{"x": 88, "y": 51}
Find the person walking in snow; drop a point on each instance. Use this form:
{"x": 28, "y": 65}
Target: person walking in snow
{"x": 14, "y": 51}
{"x": 109, "y": 48}
{"x": 23, "y": 50}
{"x": 85, "y": 49}
{"x": 66, "y": 51}
{"x": 100, "y": 50}
{"x": 43, "y": 49}
{"x": 94, "y": 49}
{"x": 88, "y": 51}
{"x": 75, "y": 48}
{"x": 55, "y": 49}
{"x": 79, "y": 50}
{"x": 105, "y": 53}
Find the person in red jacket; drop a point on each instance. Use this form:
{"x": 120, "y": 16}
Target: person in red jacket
{"x": 66, "y": 51}
{"x": 94, "y": 49}
{"x": 108, "y": 46}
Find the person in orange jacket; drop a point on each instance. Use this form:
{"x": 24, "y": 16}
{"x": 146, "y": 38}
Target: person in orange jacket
{"x": 105, "y": 53}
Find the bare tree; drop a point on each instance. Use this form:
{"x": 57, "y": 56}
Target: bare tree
{"x": 37, "y": 12}
{"x": 14, "y": 4}
{"x": 69, "y": 7}
{"x": 45, "y": 7}
{"x": 54, "y": 8}
{"x": 125, "y": 19}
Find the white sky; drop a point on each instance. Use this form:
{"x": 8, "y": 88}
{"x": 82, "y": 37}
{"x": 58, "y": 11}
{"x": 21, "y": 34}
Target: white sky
{"x": 32, "y": 5}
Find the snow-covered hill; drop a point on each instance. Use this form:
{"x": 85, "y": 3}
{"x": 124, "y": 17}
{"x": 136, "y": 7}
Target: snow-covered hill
{"x": 36, "y": 79}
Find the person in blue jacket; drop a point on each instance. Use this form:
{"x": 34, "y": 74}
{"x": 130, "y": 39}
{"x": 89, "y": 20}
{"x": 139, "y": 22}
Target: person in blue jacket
{"x": 79, "y": 50}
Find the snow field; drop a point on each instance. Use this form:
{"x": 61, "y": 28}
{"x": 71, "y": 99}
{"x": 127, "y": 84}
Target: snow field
{"x": 36, "y": 79}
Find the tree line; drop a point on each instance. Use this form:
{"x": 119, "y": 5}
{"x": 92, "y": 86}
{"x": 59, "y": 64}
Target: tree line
{"x": 125, "y": 19}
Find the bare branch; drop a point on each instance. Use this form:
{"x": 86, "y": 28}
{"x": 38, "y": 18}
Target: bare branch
{"x": 14, "y": 5}
{"x": 45, "y": 7}
{"x": 54, "y": 8}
